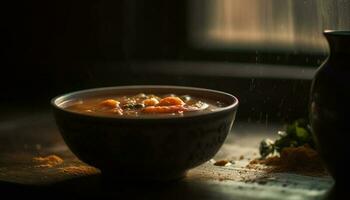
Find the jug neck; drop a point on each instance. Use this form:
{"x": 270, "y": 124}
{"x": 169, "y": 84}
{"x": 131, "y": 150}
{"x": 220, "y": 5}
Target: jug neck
{"x": 339, "y": 43}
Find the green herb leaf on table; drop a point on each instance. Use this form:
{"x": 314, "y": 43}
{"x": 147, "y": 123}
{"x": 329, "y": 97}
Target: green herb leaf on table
{"x": 296, "y": 134}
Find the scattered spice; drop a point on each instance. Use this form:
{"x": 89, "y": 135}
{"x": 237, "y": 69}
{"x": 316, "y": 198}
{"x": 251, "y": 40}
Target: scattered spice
{"x": 78, "y": 170}
{"x": 48, "y": 161}
{"x": 302, "y": 160}
{"x": 254, "y": 162}
{"x": 221, "y": 162}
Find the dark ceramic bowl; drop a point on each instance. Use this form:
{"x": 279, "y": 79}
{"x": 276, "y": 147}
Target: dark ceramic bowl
{"x": 147, "y": 147}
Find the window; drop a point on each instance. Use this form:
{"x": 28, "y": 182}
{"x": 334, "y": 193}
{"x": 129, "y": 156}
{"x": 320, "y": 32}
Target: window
{"x": 292, "y": 26}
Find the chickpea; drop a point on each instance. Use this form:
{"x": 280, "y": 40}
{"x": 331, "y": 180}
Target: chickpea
{"x": 150, "y": 102}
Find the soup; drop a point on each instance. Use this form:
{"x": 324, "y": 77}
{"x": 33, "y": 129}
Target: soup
{"x": 143, "y": 104}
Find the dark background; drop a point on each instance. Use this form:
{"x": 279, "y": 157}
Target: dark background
{"x": 53, "y": 47}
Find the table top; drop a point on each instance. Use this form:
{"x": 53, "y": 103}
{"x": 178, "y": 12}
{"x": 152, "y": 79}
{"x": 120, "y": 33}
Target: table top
{"x": 28, "y": 135}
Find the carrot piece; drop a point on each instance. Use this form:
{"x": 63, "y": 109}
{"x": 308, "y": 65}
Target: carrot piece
{"x": 170, "y": 101}
{"x": 164, "y": 109}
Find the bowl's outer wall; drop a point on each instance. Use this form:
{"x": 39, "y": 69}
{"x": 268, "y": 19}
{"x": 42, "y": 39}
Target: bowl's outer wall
{"x": 146, "y": 146}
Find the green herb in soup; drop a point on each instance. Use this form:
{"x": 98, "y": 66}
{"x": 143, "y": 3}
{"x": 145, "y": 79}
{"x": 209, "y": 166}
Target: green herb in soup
{"x": 143, "y": 104}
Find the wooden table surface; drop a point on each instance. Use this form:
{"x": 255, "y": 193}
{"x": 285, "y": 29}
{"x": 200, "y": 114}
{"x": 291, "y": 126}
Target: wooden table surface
{"x": 28, "y": 135}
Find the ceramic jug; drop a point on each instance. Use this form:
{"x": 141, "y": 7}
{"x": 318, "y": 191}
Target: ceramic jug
{"x": 329, "y": 106}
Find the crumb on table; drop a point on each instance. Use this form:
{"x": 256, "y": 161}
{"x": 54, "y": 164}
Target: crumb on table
{"x": 48, "y": 161}
{"x": 78, "y": 170}
{"x": 221, "y": 162}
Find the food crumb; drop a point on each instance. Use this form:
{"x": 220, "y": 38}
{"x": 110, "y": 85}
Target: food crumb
{"x": 48, "y": 161}
{"x": 78, "y": 170}
{"x": 222, "y": 163}
{"x": 241, "y": 157}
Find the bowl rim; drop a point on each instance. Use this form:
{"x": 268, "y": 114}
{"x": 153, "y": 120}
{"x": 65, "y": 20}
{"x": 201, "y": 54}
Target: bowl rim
{"x": 54, "y": 102}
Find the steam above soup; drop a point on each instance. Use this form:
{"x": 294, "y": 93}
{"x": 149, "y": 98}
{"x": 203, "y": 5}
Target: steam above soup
{"x": 142, "y": 104}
